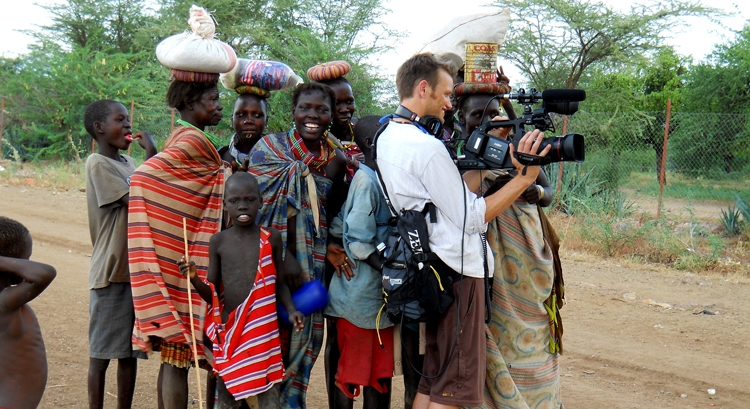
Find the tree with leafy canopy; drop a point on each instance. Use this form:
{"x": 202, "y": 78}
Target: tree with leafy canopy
{"x": 300, "y": 33}
{"x": 719, "y": 85}
{"x": 105, "y": 49}
{"x": 567, "y": 44}
{"x": 100, "y": 25}
{"x": 625, "y": 112}
{"x": 50, "y": 90}
{"x": 555, "y": 42}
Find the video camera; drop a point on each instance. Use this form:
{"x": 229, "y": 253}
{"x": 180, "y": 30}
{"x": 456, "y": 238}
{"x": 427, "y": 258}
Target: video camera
{"x": 485, "y": 151}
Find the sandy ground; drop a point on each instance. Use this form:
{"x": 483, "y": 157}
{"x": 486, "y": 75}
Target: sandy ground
{"x": 635, "y": 336}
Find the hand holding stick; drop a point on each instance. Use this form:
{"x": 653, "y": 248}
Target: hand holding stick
{"x": 190, "y": 309}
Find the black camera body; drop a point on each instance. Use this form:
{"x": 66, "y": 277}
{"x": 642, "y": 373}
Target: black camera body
{"x": 485, "y": 151}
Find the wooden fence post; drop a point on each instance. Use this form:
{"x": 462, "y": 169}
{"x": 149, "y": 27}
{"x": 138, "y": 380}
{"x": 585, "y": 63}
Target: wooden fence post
{"x": 132, "y": 110}
{"x": 2, "y": 125}
{"x": 664, "y": 158}
{"x": 560, "y": 164}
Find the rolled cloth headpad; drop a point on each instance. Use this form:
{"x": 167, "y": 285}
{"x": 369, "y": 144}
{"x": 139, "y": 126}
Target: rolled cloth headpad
{"x": 196, "y": 51}
{"x": 473, "y": 88}
{"x": 258, "y": 77}
{"x": 329, "y": 70}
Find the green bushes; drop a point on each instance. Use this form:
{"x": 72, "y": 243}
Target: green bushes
{"x": 594, "y": 219}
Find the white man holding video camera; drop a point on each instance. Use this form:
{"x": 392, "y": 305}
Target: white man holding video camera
{"x": 417, "y": 169}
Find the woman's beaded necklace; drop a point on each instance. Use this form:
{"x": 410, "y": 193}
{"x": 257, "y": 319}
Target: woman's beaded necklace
{"x": 318, "y": 164}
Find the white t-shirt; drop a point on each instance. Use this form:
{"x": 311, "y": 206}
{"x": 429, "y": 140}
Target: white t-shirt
{"x": 417, "y": 169}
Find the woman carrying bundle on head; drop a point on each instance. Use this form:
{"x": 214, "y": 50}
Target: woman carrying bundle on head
{"x": 333, "y": 74}
{"x": 253, "y": 80}
{"x": 299, "y": 172}
{"x": 524, "y": 334}
{"x": 342, "y": 135}
{"x": 175, "y": 193}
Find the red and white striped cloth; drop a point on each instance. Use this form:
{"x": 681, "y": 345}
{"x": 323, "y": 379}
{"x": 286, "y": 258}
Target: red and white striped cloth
{"x": 247, "y": 351}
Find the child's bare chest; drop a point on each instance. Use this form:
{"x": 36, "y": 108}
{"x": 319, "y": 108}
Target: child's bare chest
{"x": 239, "y": 266}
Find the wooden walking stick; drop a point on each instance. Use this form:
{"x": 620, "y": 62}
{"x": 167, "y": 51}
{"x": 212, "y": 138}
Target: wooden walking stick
{"x": 190, "y": 308}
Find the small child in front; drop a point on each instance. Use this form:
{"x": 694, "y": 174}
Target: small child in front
{"x": 22, "y": 355}
{"x": 355, "y": 302}
{"x": 244, "y": 267}
{"x": 110, "y": 298}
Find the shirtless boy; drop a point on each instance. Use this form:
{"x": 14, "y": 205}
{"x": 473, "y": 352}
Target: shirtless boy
{"x": 245, "y": 261}
{"x": 24, "y": 360}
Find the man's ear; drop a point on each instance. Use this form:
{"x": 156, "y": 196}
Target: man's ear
{"x": 423, "y": 88}
{"x": 368, "y": 142}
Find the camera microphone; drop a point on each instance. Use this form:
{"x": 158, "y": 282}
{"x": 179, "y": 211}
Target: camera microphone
{"x": 519, "y": 95}
{"x": 563, "y": 94}
{"x": 550, "y": 95}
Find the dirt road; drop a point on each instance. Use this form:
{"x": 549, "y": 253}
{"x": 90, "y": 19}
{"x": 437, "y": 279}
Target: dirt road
{"x": 635, "y": 336}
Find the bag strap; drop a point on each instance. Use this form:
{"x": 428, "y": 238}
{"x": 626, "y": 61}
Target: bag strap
{"x": 374, "y": 154}
{"x": 429, "y": 206}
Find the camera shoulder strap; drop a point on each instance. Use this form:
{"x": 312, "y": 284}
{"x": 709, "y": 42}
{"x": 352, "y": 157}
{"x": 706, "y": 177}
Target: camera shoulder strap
{"x": 385, "y": 121}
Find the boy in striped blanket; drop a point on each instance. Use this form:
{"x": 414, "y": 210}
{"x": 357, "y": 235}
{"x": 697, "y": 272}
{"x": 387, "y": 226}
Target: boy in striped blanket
{"x": 242, "y": 321}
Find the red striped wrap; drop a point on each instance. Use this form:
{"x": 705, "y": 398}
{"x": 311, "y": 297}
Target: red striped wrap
{"x": 247, "y": 352}
{"x": 185, "y": 180}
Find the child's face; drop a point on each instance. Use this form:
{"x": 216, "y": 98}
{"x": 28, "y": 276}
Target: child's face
{"x": 312, "y": 115}
{"x": 242, "y": 202}
{"x": 116, "y": 131}
{"x": 207, "y": 110}
{"x": 249, "y": 117}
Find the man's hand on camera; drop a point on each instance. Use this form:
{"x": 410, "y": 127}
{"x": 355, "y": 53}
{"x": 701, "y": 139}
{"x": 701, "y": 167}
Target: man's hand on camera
{"x": 529, "y": 144}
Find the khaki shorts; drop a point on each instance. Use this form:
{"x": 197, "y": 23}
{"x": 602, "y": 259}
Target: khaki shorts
{"x": 462, "y": 381}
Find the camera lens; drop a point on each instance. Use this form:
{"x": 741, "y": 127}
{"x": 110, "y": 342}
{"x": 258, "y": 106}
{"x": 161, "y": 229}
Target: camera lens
{"x": 565, "y": 148}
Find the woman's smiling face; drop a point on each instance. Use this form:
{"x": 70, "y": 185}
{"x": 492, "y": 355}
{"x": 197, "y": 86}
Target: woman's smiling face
{"x": 312, "y": 115}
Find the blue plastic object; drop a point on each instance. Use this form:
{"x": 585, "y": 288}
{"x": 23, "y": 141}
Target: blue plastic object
{"x": 309, "y": 298}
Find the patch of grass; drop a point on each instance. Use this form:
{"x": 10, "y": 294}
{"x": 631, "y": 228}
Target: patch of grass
{"x": 57, "y": 174}
{"x": 686, "y": 187}
{"x": 63, "y": 175}
{"x": 677, "y": 243}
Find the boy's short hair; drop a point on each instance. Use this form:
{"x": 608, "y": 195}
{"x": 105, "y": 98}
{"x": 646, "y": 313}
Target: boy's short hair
{"x": 308, "y": 87}
{"x": 366, "y": 128}
{"x": 420, "y": 67}
{"x": 13, "y": 235}
{"x": 97, "y": 111}
{"x": 180, "y": 94}
{"x": 238, "y": 177}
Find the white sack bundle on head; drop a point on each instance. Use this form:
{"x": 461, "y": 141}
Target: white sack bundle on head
{"x": 475, "y": 28}
{"x": 261, "y": 74}
{"x": 197, "y": 50}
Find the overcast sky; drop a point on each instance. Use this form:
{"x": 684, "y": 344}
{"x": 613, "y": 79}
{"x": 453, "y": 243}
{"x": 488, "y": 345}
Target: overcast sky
{"x": 418, "y": 19}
